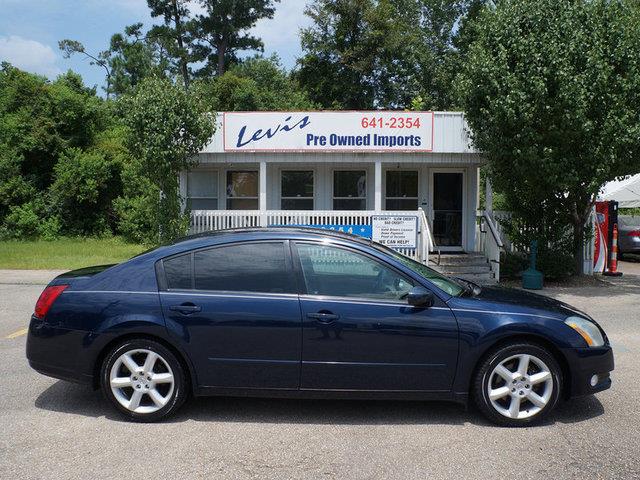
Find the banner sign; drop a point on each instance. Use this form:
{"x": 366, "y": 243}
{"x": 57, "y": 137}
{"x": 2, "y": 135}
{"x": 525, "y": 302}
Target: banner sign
{"x": 360, "y": 230}
{"x": 395, "y": 231}
{"x": 375, "y": 131}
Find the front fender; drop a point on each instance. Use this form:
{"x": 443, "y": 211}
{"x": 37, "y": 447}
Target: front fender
{"x": 480, "y": 331}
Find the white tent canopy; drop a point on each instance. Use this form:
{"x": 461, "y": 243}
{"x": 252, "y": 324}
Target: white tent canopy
{"x": 626, "y": 192}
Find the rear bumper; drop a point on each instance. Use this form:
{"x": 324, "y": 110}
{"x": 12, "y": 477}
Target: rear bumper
{"x": 61, "y": 353}
{"x": 584, "y": 363}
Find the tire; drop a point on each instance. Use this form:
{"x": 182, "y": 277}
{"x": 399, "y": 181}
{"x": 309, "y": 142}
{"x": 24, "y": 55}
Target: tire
{"x": 534, "y": 394}
{"x": 151, "y": 388}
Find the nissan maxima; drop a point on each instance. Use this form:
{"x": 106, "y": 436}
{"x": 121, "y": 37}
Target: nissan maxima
{"x": 302, "y": 312}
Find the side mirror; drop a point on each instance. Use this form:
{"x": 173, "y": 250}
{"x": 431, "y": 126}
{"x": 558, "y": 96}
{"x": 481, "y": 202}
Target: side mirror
{"x": 420, "y": 297}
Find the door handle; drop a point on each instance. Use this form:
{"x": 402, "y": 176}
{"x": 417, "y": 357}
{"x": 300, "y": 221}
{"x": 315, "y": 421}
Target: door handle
{"x": 185, "y": 308}
{"x": 323, "y": 317}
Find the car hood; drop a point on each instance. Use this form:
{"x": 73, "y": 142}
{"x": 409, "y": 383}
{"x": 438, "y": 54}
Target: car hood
{"x": 501, "y": 299}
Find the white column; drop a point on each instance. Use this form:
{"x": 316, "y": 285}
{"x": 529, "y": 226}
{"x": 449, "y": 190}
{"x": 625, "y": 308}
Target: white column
{"x": 262, "y": 202}
{"x": 377, "y": 198}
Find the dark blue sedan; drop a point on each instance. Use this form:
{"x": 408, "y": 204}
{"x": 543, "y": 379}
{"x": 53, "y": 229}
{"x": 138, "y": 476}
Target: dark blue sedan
{"x": 309, "y": 313}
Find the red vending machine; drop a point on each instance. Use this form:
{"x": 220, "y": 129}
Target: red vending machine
{"x": 607, "y": 216}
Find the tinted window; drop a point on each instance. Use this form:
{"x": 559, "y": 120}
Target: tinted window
{"x": 178, "y": 271}
{"x": 337, "y": 272}
{"x": 257, "y": 267}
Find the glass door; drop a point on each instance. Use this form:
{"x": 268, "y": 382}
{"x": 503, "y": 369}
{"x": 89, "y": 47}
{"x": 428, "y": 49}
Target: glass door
{"x": 447, "y": 204}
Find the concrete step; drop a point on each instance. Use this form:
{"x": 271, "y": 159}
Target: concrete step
{"x": 464, "y": 268}
{"x": 479, "y": 278}
{"x": 460, "y": 259}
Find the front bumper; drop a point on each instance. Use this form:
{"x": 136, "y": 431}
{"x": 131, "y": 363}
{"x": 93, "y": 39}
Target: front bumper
{"x": 584, "y": 363}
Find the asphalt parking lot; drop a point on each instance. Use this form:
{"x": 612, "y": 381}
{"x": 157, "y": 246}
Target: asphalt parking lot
{"x": 54, "y": 430}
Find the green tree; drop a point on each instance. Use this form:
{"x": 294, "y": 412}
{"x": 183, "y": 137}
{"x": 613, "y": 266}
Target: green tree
{"x": 134, "y": 56}
{"x": 223, "y": 30}
{"x": 364, "y": 54}
{"x": 166, "y": 128}
{"x": 552, "y": 95}
{"x": 255, "y": 84}
{"x": 72, "y": 47}
{"x": 177, "y": 22}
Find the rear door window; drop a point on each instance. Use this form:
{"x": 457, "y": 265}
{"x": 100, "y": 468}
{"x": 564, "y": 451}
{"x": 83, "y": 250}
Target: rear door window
{"x": 177, "y": 271}
{"x": 249, "y": 267}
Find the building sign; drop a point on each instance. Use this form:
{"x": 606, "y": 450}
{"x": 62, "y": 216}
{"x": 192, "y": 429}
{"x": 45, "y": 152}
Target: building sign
{"x": 374, "y": 131}
{"x": 395, "y": 231}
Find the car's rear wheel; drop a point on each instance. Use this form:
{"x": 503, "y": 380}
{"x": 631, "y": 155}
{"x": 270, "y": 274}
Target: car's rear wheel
{"x": 143, "y": 379}
{"x": 518, "y": 384}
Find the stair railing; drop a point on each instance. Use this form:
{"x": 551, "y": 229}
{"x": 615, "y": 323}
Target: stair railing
{"x": 491, "y": 243}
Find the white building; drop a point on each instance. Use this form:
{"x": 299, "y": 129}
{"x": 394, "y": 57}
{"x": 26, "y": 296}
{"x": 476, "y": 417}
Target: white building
{"x": 340, "y": 168}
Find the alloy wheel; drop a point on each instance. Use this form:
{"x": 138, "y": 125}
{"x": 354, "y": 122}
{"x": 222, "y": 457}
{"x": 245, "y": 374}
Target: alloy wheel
{"x": 520, "y": 386}
{"x": 141, "y": 381}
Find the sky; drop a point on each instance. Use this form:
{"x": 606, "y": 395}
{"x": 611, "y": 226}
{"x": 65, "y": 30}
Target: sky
{"x": 30, "y": 31}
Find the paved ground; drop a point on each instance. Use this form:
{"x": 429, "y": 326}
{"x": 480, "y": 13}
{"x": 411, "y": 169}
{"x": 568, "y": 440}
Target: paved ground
{"x": 54, "y": 430}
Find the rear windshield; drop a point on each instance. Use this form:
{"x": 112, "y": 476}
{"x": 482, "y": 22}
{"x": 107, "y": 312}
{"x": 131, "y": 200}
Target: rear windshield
{"x": 628, "y": 221}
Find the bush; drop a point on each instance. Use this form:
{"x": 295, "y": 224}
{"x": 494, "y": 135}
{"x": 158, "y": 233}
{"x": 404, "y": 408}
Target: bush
{"x": 30, "y": 220}
{"x": 512, "y": 264}
{"x": 556, "y": 264}
{"x": 137, "y": 208}
{"x": 82, "y": 193}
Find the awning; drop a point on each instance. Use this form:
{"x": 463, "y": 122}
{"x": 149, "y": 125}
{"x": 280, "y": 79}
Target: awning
{"x": 626, "y": 192}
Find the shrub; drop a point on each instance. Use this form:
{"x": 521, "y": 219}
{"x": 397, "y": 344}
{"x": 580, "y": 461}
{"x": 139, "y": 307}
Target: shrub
{"x": 31, "y": 220}
{"x": 556, "y": 264}
{"x": 137, "y": 208}
{"x": 512, "y": 264}
{"x": 83, "y": 190}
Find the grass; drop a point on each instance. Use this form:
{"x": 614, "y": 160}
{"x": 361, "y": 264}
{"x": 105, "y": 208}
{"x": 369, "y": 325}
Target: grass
{"x": 65, "y": 253}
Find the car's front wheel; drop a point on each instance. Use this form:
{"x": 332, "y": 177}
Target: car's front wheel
{"x": 143, "y": 379}
{"x": 518, "y": 384}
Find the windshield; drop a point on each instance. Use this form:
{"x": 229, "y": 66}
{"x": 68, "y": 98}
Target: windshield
{"x": 441, "y": 281}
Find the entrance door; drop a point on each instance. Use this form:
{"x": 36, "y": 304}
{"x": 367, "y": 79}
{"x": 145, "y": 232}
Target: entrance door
{"x": 447, "y": 200}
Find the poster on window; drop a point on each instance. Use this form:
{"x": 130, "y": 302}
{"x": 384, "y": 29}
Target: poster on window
{"x": 375, "y": 131}
{"x": 395, "y": 231}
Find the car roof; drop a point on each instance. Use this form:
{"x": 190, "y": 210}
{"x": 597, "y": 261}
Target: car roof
{"x": 283, "y": 231}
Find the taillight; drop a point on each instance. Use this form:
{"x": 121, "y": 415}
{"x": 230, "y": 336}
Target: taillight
{"x": 47, "y": 297}
{"x": 633, "y": 233}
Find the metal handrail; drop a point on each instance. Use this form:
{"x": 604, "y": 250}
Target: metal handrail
{"x": 494, "y": 230}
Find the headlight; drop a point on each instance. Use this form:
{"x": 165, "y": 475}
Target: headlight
{"x": 587, "y": 330}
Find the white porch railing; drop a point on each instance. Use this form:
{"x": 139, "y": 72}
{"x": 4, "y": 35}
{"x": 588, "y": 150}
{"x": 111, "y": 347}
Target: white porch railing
{"x": 208, "y": 220}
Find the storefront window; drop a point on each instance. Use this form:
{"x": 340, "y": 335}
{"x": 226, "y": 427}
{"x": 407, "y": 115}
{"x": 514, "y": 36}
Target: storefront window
{"x": 202, "y": 190}
{"x": 401, "y": 190}
{"x": 297, "y": 190}
{"x": 242, "y": 190}
{"x": 349, "y": 190}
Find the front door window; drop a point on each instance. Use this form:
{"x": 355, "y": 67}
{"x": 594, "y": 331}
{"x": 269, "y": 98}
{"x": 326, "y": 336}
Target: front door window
{"x": 336, "y": 272}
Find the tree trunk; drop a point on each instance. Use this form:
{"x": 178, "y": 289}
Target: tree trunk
{"x": 183, "y": 60}
{"x": 578, "y": 244}
{"x": 222, "y": 49}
